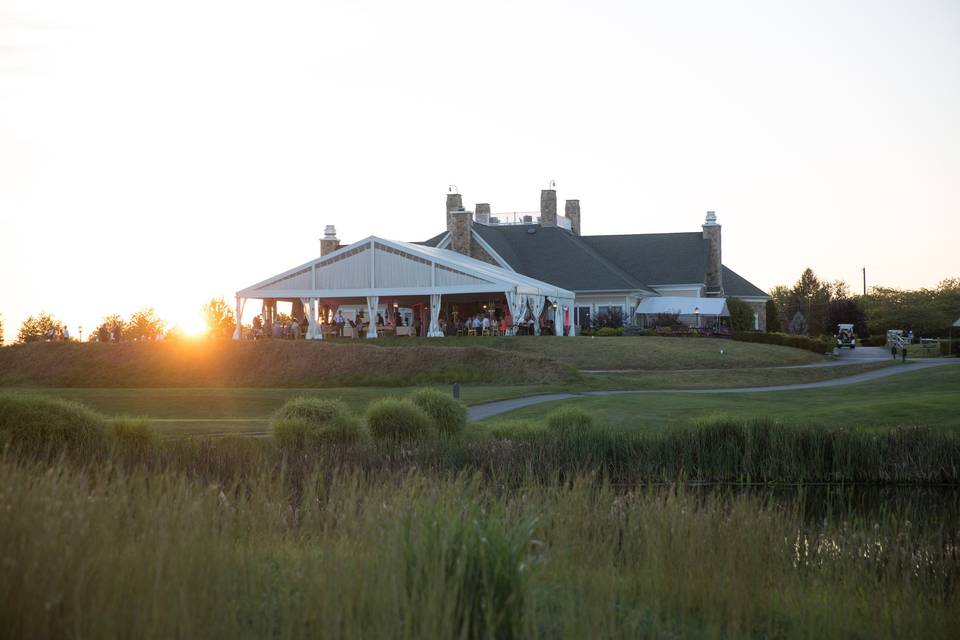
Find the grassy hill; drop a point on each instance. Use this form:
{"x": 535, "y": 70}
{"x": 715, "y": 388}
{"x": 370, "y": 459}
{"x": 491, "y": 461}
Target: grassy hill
{"x": 396, "y": 362}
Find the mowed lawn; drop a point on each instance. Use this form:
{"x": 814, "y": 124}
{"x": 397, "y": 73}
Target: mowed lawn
{"x": 928, "y": 398}
{"x": 646, "y": 352}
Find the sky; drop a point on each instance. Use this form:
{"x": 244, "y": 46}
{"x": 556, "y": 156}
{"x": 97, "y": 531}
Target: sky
{"x": 163, "y": 153}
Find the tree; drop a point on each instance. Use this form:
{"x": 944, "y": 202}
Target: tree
{"x": 1, "y": 331}
{"x": 848, "y": 311}
{"x": 810, "y": 297}
{"x": 37, "y": 328}
{"x": 145, "y": 325}
{"x": 773, "y": 317}
{"x": 219, "y": 318}
{"x": 741, "y": 314}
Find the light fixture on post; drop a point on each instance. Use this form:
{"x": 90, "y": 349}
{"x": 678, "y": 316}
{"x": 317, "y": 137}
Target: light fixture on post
{"x": 696, "y": 313}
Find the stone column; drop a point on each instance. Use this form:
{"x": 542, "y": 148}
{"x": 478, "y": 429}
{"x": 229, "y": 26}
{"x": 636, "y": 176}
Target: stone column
{"x": 454, "y": 203}
{"x": 713, "y": 278}
{"x": 329, "y": 242}
{"x": 482, "y": 211}
{"x": 548, "y": 207}
{"x": 460, "y": 238}
{"x": 572, "y": 213}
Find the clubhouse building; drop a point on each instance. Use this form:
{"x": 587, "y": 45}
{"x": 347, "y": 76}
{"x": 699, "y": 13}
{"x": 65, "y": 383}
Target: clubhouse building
{"x": 518, "y": 266}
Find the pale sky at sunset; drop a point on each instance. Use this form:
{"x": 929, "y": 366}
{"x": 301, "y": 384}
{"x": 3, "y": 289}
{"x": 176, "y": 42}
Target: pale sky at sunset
{"x": 161, "y": 153}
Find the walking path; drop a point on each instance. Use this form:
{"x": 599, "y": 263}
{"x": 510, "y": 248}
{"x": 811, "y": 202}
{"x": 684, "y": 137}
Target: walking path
{"x": 490, "y": 409}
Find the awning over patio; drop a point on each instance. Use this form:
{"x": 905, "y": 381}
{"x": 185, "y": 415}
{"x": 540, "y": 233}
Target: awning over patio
{"x": 375, "y": 268}
{"x": 684, "y": 306}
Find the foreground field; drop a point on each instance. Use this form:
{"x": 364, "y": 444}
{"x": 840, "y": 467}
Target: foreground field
{"x": 115, "y": 553}
{"x": 555, "y": 528}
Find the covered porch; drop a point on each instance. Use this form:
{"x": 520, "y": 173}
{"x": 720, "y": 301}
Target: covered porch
{"x": 376, "y": 286}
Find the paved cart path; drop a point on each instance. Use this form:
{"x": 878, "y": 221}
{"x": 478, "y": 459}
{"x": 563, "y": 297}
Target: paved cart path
{"x": 490, "y": 409}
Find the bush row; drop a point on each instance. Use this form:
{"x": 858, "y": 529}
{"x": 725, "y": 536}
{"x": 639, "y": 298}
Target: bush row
{"x": 312, "y": 422}
{"x": 816, "y": 345}
{"x": 47, "y": 427}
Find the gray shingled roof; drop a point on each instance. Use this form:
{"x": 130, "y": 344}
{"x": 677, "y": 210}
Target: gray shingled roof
{"x": 612, "y": 263}
{"x": 555, "y": 255}
{"x": 656, "y": 258}
{"x": 736, "y": 285}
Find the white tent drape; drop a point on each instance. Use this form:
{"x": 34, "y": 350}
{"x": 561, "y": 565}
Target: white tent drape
{"x": 536, "y": 308}
{"x": 313, "y": 328}
{"x": 558, "y": 317}
{"x": 434, "y": 331}
{"x": 372, "y": 303}
{"x": 518, "y": 307}
{"x": 567, "y": 304}
{"x": 238, "y": 332}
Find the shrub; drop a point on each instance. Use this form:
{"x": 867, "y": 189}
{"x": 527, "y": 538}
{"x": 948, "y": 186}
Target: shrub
{"x": 398, "y": 419}
{"x": 608, "y": 332}
{"x": 132, "y": 436}
{"x": 741, "y": 314}
{"x": 569, "y": 420}
{"x": 817, "y": 345}
{"x": 449, "y": 416}
{"x": 43, "y": 426}
{"x": 311, "y": 422}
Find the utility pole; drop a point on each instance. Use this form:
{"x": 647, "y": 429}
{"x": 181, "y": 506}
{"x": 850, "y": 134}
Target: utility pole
{"x": 864, "y": 281}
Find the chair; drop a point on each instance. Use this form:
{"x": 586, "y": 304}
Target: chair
{"x": 472, "y": 332}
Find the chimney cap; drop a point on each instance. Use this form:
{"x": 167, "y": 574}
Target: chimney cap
{"x": 330, "y": 232}
{"x": 711, "y": 218}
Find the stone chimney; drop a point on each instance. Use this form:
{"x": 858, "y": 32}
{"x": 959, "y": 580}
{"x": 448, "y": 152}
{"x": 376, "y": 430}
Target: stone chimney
{"x": 713, "y": 279}
{"x": 460, "y": 232}
{"x": 572, "y": 213}
{"x": 454, "y": 203}
{"x": 482, "y": 210}
{"x": 548, "y": 207}
{"x": 329, "y": 242}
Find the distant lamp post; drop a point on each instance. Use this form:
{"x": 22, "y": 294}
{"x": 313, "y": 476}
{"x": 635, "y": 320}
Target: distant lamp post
{"x": 696, "y": 314}
{"x": 80, "y": 328}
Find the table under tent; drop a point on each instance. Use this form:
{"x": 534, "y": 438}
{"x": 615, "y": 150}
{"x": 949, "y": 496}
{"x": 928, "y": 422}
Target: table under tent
{"x": 380, "y": 277}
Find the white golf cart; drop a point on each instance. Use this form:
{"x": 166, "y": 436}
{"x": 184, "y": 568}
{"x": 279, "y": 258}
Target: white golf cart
{"x": 846, "y": 337}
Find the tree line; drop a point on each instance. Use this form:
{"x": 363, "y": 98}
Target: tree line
{"x": 815, "y": 307}
{"x": 142, "y": 325}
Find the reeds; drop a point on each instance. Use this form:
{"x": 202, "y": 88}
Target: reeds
{"x": 108, "y": 552}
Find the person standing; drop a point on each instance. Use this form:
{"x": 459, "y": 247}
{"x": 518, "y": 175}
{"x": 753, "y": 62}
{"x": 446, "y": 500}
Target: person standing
{"x": 66, "y": 332}
{"x": 295, "y": 329}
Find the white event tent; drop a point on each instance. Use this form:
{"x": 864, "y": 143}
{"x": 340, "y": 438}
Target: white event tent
{"x": 375, "y": 270}
{"x": 689, "y": 309}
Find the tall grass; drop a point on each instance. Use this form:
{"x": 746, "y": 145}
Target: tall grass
{"x": 104, "y": 552}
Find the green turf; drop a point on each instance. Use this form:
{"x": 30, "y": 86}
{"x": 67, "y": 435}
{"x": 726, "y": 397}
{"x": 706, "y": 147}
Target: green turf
{"x": 930, "y": 398}
{"x": 646, "y": 352}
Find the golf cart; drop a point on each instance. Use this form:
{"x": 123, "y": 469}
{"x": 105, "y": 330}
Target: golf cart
{"x": 845, "y": 336}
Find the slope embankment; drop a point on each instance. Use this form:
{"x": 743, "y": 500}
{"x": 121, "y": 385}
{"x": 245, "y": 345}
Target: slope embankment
{"x": 267, "y": 364}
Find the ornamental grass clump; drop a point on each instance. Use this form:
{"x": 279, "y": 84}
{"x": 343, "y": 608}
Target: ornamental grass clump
{"x": 399, "y": 419}
{"x": 569, "y": 421}
{"x": 40, "y": 426}
{"x": 449, "y": 416}
{"x": 132, "y": 437}
{"x": 312, "y": 422}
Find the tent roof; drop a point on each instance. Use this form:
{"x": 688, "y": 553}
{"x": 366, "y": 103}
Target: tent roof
{"x": 685, "y": 306}
{"x": 376, "y": 266}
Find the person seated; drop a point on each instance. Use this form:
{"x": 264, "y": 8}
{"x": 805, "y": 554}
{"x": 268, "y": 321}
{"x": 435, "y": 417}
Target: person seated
{"x": 379, "y": 320}
{"x": 486, "y": 325}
